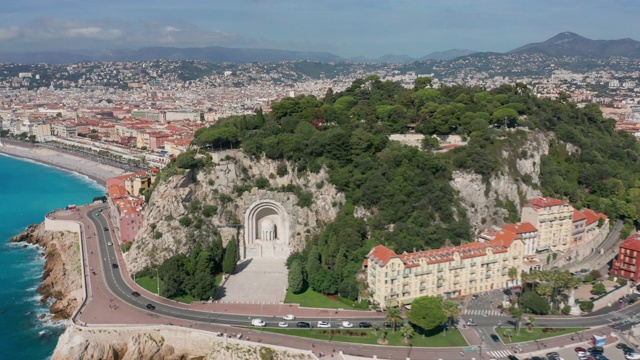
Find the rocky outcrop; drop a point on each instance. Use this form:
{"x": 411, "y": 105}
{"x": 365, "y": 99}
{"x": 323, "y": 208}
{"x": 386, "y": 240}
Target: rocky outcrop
{"x": 62, "y": 277}
{"x": 487, "y": 200}
{"x": 165, "y": 344}
{"x": 229, "y": 184}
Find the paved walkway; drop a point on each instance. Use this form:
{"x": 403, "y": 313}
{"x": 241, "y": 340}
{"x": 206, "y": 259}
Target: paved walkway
{"x": 256, "y": 280}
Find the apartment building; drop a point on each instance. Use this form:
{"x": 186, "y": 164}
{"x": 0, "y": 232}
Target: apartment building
{"x": 396, "y": 279}
{"x": 554, "y": 220}
{"x": 626, "y": 264}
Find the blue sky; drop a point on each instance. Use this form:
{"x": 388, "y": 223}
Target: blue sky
{"x": 344, "y": 27}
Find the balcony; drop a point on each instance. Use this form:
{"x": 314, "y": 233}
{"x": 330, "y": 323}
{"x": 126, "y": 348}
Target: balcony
{"x": 505, "y": 259}
{"x": 439, "y": 284}
{"x": 456, "y": 282}
{"x": 406, "y": 275}
{"x": 487, "y": 275}
{"x": 456, "y": 266}
{"x": 440, "y": 269}
{"x": 472, "y": 271}
{"x": 488, "y": 261}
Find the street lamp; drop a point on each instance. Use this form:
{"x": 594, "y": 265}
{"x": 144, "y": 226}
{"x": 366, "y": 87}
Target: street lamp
{"x": 158, "y": 281}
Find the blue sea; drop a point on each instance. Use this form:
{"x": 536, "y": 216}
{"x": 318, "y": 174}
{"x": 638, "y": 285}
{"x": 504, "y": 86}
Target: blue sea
{"x": 27, "y": 192}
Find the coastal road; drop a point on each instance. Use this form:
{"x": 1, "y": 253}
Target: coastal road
{"x": 110, "y": 302}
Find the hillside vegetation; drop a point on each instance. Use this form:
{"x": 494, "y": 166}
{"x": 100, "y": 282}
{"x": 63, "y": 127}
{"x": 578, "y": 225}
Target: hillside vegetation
{"x": 405, "y": 191}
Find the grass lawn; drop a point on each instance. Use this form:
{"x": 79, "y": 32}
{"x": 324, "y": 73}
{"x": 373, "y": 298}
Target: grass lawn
{"x": 452, "y": 338}
{"x": 149, "y": 283}
{"x": 536, "y": 333}
{"x": 310, "y": 298}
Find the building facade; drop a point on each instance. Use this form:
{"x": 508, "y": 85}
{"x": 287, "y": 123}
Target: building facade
{"x": 554, "y": 219}
{"x": 395, "y": 279}
{"x": 626, "y": 264}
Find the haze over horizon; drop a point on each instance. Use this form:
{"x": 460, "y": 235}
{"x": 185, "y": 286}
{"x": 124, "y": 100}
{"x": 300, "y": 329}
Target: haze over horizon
{"x": 347, "y": 28}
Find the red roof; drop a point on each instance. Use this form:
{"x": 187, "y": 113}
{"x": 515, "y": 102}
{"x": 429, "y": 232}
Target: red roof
{"x": 631, "y": 243}
{"x": 578, "y": 216}
{"x": 592, "y": 216}
{"x": 382, "y": 254}
{"x": 520, "y": 228}
{"x": 546, "y": 202}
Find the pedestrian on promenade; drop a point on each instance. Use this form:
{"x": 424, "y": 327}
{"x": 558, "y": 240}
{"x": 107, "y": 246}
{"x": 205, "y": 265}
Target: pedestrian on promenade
{"x": 462, "y": 353}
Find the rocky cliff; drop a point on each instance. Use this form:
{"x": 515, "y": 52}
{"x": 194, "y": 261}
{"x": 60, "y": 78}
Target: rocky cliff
{"x": 165, "y": 344}
{"x": 62, "y": 277}
{"x": 228, "y": 185}
{"x": 489, "y": 201}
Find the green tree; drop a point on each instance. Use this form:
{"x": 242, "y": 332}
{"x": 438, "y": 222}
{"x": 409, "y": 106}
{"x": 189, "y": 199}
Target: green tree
{"x": 217, "y": 253}
{"x": 531, "y": 323}
{"x": 407, "y": 332}
{"x": 296, "y": 278}
{"x": 598, "y": 289}
{"x": 517, "y": 313}
{"x": 451, "y": 309}
{"x": 209, "y": 210}
{"x": 532, "y": 302}
{"x": 393, "y": 316}
{"x": 230, "y": 256}
{"x": 427, "y": 312}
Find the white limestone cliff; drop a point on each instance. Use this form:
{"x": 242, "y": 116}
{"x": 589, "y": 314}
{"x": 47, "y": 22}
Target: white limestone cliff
{"x": 162, "y": 236}
{"x": 516, "y": 184}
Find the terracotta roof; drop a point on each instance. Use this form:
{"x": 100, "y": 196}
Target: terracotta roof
{"x": 631, "y": 243}
{"x": 545, "y": 202}
{"x": 578, "y": 216}
{"x": 382, "y": 254}
{"x": 520, "y": 228}
{"x": 592, "y": 216}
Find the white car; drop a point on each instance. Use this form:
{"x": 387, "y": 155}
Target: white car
{"x": 347, "y": 324}
{"x": 283, "y": 324}
{"x": 110, "y": 243}
{"x": 632, "y": 356}
{"x": 324, "y": 324}
{"x": 258, "y": 322}
{"x": 289, "y": 317}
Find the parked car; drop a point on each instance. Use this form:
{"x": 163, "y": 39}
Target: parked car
{"x": 283, "y": 324}
{"x": 474, "y": 296}
{"x": 258, "y": 322}
{"x": 553, "y": 355}
{"x": 289, "y": 317}
{"x": 580, "y": 351}
{"x": 512, "y": 357}
{"x": 596, "y": 350}
{"x": 324, "y": 324}
{"x": 303, "y": 324}
{"x": 364, "y": 324}
{"x": 495, "y": 338}
{"x": 151, "y": 307}
{"x": 632, "y": 356}
{"x": 347, "y": 324}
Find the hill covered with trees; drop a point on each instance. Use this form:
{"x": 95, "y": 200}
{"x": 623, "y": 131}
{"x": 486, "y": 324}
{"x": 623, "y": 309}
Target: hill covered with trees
{"x": 402, "y": 196}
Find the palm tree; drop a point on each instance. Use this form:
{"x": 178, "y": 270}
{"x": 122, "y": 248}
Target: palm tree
{"x": 451, "y": 309}
{"x": 532, "y": 321}
{"x": 513, "y": 275}
{"x": 393, "y": 316}
{"x": 407, "y": 332}
{"x": 517, "y": 313}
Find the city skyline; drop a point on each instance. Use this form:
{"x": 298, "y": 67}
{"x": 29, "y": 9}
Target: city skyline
{"x": 345, "y": 28}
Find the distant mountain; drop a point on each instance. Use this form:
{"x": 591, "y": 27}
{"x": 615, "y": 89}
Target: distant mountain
{"x": 570, "y": 44}
{"x": 210, "y": 53}
{"x": 448, "y": 55}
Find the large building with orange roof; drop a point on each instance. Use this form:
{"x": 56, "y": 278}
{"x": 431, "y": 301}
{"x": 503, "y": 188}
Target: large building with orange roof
{"x": 626, "y": 264}
{"x": 396, "y": 279}
{"x": 547, "y": 225}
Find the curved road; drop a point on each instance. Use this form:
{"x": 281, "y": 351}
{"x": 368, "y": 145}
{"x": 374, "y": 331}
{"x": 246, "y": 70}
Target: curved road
{"x": 112, "y": 279}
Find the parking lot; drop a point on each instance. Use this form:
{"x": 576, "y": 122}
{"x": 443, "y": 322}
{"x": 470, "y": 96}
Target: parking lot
{"x": 568, "y": 353}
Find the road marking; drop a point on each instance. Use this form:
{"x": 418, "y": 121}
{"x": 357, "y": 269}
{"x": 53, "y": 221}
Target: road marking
{"x": 499, "y": 353}
{"x": 482, "y": 312}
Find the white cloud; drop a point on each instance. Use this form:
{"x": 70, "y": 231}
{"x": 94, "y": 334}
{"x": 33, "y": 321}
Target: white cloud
{"x": 9, "y": 33}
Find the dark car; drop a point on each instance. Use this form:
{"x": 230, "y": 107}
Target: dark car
{"x": 303, "y": 324}
{"x": 632, "y": 300}
{"x": 553, "y": 356}
{"x": 512, "y": 357}
{"x": 495, "y": 338}
{"x": 135, "y": 293}
{"x": 105, "y": 228}
{"x": 115, "y": 266}
{"x": 364, "y": 324}
{"x": 151, "y": 307}
{"x": 596, "y": 350}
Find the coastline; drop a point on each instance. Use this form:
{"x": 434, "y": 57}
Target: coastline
{"x": 95, "y": 171}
